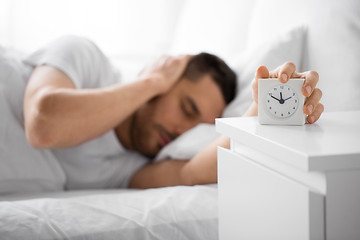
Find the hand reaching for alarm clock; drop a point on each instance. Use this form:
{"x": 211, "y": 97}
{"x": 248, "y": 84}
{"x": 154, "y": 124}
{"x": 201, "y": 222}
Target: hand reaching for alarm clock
{"x": 312, "y": 107}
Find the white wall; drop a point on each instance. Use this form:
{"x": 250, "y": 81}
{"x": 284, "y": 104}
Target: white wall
{"x": 131, "y": 32}
{"x": 130, "y": 28}
{"x": 126, "y": 27}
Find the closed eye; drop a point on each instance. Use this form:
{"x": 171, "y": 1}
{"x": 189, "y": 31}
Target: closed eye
{"x": 189, "y": 108}
{"x": 185, "y": 110}
{"x": 193, "y": 106}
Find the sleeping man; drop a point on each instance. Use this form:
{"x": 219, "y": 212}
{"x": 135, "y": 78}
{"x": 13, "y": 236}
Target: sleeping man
{"x": 68, "y": 121}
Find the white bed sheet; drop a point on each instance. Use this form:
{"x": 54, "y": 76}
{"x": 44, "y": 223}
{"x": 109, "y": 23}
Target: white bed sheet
{"x": 164, "y": 213}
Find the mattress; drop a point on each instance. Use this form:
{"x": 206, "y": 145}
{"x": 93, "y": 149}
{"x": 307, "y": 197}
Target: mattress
{"x": 181, "y": 212}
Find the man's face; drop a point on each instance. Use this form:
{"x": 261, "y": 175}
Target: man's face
{"x": 165, "y": 117}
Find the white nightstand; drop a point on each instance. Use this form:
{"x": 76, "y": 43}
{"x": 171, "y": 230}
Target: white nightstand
{"x": 290, "y": 182}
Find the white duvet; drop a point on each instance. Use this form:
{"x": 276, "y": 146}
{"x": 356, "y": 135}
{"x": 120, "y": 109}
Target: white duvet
{"x": 163, "y": 213}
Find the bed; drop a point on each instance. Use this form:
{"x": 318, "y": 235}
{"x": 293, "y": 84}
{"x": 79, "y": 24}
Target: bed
{"x": 322, "y": 35}
{"x": 165, "y": 213}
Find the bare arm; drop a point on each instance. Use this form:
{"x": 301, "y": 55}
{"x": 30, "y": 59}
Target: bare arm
{"x": 202, "y": 169}
{"x": 57, "y": 115}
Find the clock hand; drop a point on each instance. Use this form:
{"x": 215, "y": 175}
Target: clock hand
{"x": 287, "y": 98}
{"x": 275, "y": 98}
{"x": 281, "y": 101}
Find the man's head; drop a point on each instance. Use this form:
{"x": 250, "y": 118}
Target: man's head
{"x": 208, "y": 64}
{"x": 200, "y": 96}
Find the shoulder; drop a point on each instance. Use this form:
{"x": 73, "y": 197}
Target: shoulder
{"x": 74, "y": 40}
{"x": 68, "y": 48}
{"x": 76, "y": 44}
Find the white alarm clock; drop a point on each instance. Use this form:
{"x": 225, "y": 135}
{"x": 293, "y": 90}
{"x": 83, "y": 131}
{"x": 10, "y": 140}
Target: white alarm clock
{"x": 281, "y": 103}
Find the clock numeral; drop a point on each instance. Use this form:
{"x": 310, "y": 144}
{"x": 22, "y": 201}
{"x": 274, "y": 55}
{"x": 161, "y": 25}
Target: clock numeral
{"x": 289, "y": 89}
{"x": 268, "y": 100}
{"x": 270, "y": 94}
{"x": 275, "y": 89}
{"x": 289, "y": 113}
{"x": 293, "y": 94}
{"x": 293, "y": 107}
{"x": 295, "y": 101}
{"x": 269, "y": 107}
{"x": 282, "y": 115}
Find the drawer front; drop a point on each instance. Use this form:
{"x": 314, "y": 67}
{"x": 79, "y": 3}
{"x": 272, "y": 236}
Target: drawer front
{"x": 258, "y": 203}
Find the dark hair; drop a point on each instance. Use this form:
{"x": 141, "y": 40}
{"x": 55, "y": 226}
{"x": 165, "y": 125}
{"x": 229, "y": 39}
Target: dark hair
{"x": 205, "y": 63}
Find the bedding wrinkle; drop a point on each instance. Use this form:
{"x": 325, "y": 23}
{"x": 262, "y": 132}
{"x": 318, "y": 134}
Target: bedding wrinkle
{"x": 160, "y": 213}
{"x": 34, "y": 220}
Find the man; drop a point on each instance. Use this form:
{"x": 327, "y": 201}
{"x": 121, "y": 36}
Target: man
{"x": 82, "y": 122}
{"x": 78, "y": 116}
{"x": 202, "y": 168}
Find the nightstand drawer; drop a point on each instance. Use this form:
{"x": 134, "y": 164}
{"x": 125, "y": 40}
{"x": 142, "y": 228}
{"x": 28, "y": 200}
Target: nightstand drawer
{"x": 258, "y": 203}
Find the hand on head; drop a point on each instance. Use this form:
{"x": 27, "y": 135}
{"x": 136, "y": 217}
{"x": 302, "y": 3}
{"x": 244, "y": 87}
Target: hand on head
{"x": 166, "y": 71}
{"x": 312, "y": 107}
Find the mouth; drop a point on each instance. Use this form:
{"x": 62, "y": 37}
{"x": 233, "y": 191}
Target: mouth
{"x": 165, "y": 139}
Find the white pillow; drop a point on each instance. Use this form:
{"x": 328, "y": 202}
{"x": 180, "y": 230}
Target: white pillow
{"x": 189, "y": 144}
{"x": 287, "y": 47}
{"x": 273, "y": 53}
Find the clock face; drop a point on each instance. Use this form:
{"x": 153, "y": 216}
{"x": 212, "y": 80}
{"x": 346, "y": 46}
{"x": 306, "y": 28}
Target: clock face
{"x": 282, "y": 101}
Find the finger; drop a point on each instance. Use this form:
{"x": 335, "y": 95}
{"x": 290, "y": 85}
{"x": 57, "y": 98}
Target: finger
{"x": 286, "y": 71}
{"x": 312, "y": 101}
{"x": 184, "y": 58}
{"x": 311, "y": 79}
{"x": 312, "y": 118}
{"x": 178, "y": 64}
{"x": 181, "y": 60}
{"x": 274, "y": 73}
{"x": 296, "y": 75}
{"x": 261, "y": 72}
